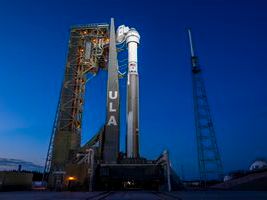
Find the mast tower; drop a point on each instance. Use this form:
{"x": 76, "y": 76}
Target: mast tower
{"x": 209, "y": 159}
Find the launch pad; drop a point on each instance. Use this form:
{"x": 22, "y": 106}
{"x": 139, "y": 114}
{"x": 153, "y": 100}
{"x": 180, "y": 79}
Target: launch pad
{"x": 99, "y": 164}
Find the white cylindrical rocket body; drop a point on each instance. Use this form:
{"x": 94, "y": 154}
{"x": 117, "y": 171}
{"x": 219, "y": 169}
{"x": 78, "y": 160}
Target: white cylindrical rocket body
{"x": 132, "y": 137}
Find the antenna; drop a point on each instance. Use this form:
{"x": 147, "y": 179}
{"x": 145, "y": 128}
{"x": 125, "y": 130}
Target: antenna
{"x": 194, "y": 58}
{"x": 191, "y": 43}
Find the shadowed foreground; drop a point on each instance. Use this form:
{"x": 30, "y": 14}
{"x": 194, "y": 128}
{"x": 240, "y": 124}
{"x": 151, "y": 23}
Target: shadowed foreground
{"x": 135, "y": 195}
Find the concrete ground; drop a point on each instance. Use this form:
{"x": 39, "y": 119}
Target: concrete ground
{"x": 135, "y": 195}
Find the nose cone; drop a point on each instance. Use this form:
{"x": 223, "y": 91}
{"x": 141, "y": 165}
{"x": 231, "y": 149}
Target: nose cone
{"x": 133, "y": 36}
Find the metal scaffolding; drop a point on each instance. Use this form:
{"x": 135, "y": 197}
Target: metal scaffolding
{"x": 88, "y": 52}
{"x": 209, "y": 160}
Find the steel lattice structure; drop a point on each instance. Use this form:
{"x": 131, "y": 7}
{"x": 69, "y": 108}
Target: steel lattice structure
{"x": 209, "y": 160}
{"x": 99, "y": 164}
{"x": 88, "y": 52}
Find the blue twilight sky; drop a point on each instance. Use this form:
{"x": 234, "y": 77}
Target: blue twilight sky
{"x": 230, "y": 39}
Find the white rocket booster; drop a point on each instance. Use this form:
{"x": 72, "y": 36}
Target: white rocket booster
{"x": 132, "y": 38}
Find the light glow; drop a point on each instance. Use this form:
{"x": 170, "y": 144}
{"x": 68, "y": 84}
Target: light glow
{"x": 71, "y": 178}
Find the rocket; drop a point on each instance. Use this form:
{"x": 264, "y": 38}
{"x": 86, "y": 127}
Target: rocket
{"x": 131, "y": 38}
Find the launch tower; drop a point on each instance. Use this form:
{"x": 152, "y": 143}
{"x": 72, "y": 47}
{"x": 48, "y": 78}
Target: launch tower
{"x": 209, "y": 160}
{"x": 99, "y": 164}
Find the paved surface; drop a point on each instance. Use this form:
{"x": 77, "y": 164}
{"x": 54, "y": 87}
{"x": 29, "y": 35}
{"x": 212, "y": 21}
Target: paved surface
{"x": 221, "y": 195}
{"x": 135, "y": 195}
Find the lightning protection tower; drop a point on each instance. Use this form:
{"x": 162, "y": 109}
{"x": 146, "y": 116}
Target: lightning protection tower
{"x": 209, "y": 160}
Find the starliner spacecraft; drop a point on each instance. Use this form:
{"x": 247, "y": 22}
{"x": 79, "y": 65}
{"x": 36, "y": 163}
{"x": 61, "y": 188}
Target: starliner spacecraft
{"x": 99, "y": 164}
